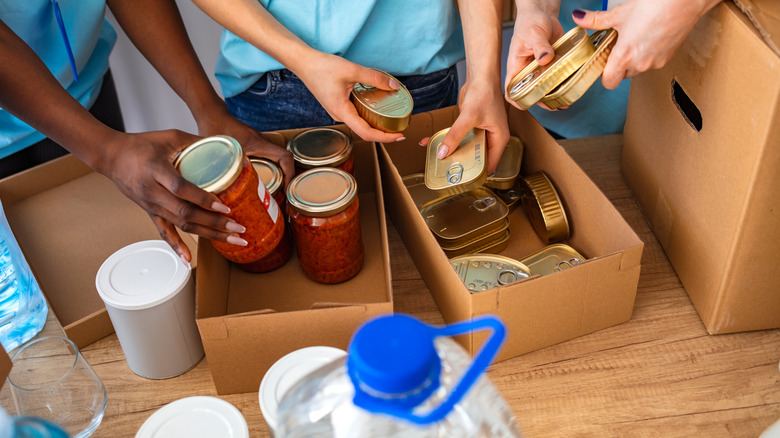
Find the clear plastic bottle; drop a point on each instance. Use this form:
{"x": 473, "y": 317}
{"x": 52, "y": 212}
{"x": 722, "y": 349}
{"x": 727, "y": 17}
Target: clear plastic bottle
{"x": 402, "y": 378}
{"x": 23, "y": 308}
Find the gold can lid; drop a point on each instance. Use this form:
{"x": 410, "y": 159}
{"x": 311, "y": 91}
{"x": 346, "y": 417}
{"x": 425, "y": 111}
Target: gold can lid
{"x": 552, "y": 258}
{"x": 212, "y": 164}
{"x": 323, "y": 191}
{"x": 481, "y": 272}
{"x": 577, "y": 84}
{"x": 386, "y": 110}
{"x": 317, "y": 147}
{"x": 421, "y": 195}
{"x": 508, "y": 166}
{"x": 533, "y": 82}
{"x": 270, "y": 174}
{"x": 464, "y": 170}
{"x": 462, "y": 217}
{"x": 545, "y": 208}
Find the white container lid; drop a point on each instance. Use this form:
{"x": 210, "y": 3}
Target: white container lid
{"x": 287, "y": 371}
{"x": 195, "y": 417}
{"x": 141, "y": 275}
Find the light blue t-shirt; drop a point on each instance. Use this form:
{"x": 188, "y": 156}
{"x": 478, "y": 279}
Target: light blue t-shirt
{"x": 399, "y": 37}
{"x": 91, "y": 39}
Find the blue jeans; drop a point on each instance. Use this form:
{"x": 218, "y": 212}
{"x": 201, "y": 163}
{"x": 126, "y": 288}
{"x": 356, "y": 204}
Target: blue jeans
{"x": 280, "y": 100}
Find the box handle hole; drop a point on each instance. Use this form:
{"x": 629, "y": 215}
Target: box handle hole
{"x": 686, "y": 106}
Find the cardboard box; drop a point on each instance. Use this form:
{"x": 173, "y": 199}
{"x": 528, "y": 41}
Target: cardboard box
{"x": 541, "y": 310}
{"x": 701, "y": 155}
{"x": 248, "y": 321}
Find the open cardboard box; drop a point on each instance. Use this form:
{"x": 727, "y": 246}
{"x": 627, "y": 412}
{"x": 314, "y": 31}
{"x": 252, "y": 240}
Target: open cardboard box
{"x": 248, "y": 321}
{"x": 541, "y": 310}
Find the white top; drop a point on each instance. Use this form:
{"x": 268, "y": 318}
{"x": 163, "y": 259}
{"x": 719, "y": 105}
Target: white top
{"x": 141, "y": 275}
{"x": 195, "y": 417}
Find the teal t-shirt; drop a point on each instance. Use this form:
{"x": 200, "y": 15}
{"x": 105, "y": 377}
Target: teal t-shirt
{"x": 400, "y": 37}
{"x": 91, "y": 39}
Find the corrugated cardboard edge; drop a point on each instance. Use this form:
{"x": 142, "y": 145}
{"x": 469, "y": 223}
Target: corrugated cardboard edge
{"x": 5, "y": 366}
{"x": 765, "y": 20}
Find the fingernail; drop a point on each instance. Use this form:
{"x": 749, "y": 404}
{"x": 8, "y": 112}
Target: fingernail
{"x": 542, "y": 55}
{"x": 394, "y": 84}
{"x": 220, "y": 207}
{"x": 235, "y": 227}
{"x": 400, "y": 139}
{"x": 442, "y": 152}
{"x": 186, "y": 262}
{"x": 579, "y": 14}
{"x": 235, "y": 240}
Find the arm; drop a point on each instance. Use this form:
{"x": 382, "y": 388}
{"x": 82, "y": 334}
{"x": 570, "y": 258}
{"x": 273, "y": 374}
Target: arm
{"x": 330, "y": 78}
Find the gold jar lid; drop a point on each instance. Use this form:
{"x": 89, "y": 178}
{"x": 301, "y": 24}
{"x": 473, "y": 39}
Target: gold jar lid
{"x": 533, "y": 82}
{"x": 317, "y": 147}
{"x": 545, "y": 208}
{"x": 463, "y": 170}
{"x": 577, "y": 84}
{"x": 386, "y": 110}
{"x": 212, "y": 164}
{"x": 269, "y": 173}
{"x": 323, "y": 191}
{"x": 481, "y": 272}
{"x": 552, "y": 258}
{"x": 462, "y": 218}
{"x": 508, "y": 166}
{"x": 421, "y": 195}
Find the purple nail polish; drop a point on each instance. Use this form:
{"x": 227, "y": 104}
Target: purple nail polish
{"x": 579, "y": 14}
{"x": 542, "y": 55}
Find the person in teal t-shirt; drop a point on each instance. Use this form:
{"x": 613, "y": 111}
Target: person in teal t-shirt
{"x": 55, "y": 88}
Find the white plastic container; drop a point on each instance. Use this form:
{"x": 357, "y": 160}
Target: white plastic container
{"x": 150, "y": 296}
{"x": 195, "y": 417}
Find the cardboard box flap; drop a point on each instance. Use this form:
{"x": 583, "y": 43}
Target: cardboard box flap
{"x": 765, "y": 16}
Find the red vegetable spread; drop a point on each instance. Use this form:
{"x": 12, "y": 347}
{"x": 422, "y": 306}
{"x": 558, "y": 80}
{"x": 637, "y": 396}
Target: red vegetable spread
{"x": 281, "y": 253}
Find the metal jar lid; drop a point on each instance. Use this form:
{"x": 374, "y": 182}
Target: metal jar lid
{"x": 577, "y": 84}
{"x": 317, "y": 147}
{"x": 386, "y": 110}
{"x": 534, "y": 81}
{"x": 323, "y": 191}
{"x": 462, "y": 218}
{"x": 508, "y": 166}
{"x": 212, "y": 164}
{"x": 545, "y": 208}
{"x": 421, "y": 195}
{"x": 495, "y": 241}
{"x": 269, "y": 173}
{"x": 464, "y": 170}
{"x": 481, "y": 272}
{"x": 552, "y": 258}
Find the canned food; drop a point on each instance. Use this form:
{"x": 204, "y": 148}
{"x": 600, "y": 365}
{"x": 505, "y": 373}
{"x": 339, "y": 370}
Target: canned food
{"x": 577, "y": 84}
{"x": 323, "y": 208}
{"x": 463, "y": 218}
{"x": 509, "y": 196}
{"x": 386, "y": 110}
{"x": 494, "y": 242}
{"x": 545, "y": 208}
{"x": 508, "y": 166}
{"x": 461, "y": 171}
{"x": 218, "y": 165}
{"x": 420, "y": 193}
{"x": 481, "y": 272}
{"x": 552, "y": 258}
{"x": 534, "y": 81}
{"x": 322, "y": 147}
{"x": 272, "y": 178}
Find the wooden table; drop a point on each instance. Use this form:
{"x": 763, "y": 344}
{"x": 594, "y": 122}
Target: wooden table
{"x": 658, "y": 375}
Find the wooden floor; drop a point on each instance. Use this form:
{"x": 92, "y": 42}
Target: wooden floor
{"x": 658, "y": 375}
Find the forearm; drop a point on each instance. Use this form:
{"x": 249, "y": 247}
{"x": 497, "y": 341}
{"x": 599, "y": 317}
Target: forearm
{"x": 482, "y": 35}
{"x": 549, "y": 7}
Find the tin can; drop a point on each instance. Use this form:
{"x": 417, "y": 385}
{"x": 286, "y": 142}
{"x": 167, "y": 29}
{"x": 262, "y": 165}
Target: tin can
{"x": 464, "y": 170}
{"x": 386, "y": 110}
{"x": 545, "y": 208}
{"x": 552, "y": 258}
{"x": 323, "y": 208}
{"x": 481, "y": 272}
{"x": 491, "y": 243}
{"x": 511, "y": 197}
{"x": 218, "y": 165}
{"x": 464, "y": 218}
{"x": 508, "y": 166}
{"x": 420, "y": 193}
{"x": 322, "y": 147}
{"x": 533, "y": 82}
{"x": 577, "y": 84}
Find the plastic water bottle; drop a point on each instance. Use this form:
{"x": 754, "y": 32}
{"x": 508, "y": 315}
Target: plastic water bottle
{"x": 23, "y": 308}
{"x": 402, "y": 378}
{"x": 28, "y": 427}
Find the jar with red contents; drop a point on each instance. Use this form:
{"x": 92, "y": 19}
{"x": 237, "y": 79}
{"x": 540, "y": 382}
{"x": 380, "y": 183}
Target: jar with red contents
{"x": 218, "y": 165}
{"x": 272, "y": 178}
{"x": 321, "y": 147}
{"x": 323, "y": 208}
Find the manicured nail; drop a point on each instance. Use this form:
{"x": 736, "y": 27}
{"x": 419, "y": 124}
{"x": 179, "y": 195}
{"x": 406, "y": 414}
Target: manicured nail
{"x": 186, "y": 262}
{"x": 400, "y": 139}
{"x": 236, "y": 241}
{"x": 220, "y": 207}
{"x": 235, "y": 227}
{"x": 542, "y": 55}
{"x": 394, "y": 84}
{"x": 579, "y": 14}
{"x": 442, "y": 152}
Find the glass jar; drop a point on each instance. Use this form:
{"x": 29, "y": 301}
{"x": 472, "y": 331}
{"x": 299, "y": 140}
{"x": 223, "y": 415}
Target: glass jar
{"x": 321, "y": 147}
{"x": 323, "y": 208}
{"x": 273, "y": 179}
{"x": 218, "y": 165}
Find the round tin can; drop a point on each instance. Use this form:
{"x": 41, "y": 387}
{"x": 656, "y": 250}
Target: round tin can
{"x": 508, "y": 166}
{"x": 577, "y": 84}
{"x": 553, "y": 258}
{"x": 545, "y": 208}
{"x": 463, "y": 170}
{"x": 421, "y": 195}
{"x": 534, "y": 81}
{"x": 218, "y": 165}
{"x": 386, "y": 110}
{"x": 322, "y": 147}
{"x": 464, "y": 218}
{"x": 481, "y": 272}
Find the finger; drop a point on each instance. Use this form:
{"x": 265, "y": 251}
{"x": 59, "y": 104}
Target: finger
{"x": 593, "y": 20}
{"x": 360, "y": 127}
{"x": 541, "y": 47}
{"x": 496, "y": 143}
{"x": 182, "y": 189}
{"x": 424, "y": 142}
{"x": 614, "y": 72}
{"x": 169, "y": 234}
{"x": 375, "y": 78}
{"x": 454, "y": 136}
